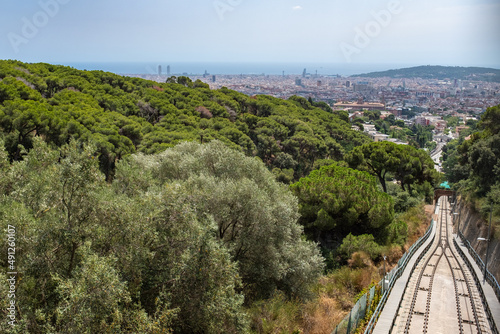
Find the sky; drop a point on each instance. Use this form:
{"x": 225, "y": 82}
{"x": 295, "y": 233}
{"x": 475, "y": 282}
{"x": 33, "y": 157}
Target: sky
{"x": 392, "y": 32}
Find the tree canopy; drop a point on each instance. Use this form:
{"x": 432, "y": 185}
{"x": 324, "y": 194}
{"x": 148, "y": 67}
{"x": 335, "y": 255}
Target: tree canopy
{"x": 475, "y": 163}
{"x": 335, "y": 201}
{"x": 405, "y": 163}
{"x": 146, "y": 207}
{"x": 122, "y": 115}
{"x": 177, "y": 242}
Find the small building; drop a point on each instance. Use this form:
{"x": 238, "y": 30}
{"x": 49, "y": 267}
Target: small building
{"x": 377, "y": 136}
{"x": 385, "y": 114}
{"x": 356, "y": 114}
{"x": 442, "y": 138}
{"x": 369, "y": 127}
{"x": 422, "y": 121}
{"x": 440, "y": 125}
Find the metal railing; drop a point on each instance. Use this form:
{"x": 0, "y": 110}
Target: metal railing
{"x": 397, "y": 272}
{"x": 394, "y": 274}
{"x": 489, "y": 276}
{"x": 477, "y": 280}
{"x": 356, "y": 315}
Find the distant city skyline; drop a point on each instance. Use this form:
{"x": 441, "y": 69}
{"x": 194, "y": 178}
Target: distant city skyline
{"x": 357, "y": 33}
{"x": 234, "y": 68}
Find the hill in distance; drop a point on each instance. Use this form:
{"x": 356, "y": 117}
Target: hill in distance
{"x": 440, "y": 73}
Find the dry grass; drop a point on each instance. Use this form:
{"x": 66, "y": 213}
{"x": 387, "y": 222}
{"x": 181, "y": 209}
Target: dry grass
{"x": 418, "y": 220}
{"x": 321, "y": 315}
{"x": 360, "y": 260}
{"x": 335, "y": 292}
{"x": 276, "y": 315}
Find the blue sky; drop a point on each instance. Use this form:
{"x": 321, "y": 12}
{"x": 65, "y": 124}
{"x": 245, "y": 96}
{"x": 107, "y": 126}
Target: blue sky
{"x": 439, "y": 32}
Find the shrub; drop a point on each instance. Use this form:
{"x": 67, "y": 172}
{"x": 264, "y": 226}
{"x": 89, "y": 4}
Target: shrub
{"x": 365, "y": 243}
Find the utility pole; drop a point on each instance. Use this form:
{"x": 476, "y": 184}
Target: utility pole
{"x": 487, "y": 246}
{"x": 385, "y": 273}
{"x": 459, "y": 216}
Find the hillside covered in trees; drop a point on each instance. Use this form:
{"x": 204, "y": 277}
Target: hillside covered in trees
{"x": 178, "y": 241}
{"x": 122, "y": 115}
{"x": 472, "y": 166}
{"x": 439, "y": 72}
{"x": 472, "y": 163}
{"x": 144, "y": 207}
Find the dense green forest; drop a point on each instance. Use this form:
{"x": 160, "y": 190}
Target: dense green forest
{"x": 178, "y": 240}
{"x": 144, "y": 207}
{"x": 123, "y": 115}
{"x": 472, "y": 162}
{"x": 440, "y": 72}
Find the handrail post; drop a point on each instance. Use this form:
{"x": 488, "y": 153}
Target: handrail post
{"x": 349, "y": 323}
{"x": 487, "y": 247}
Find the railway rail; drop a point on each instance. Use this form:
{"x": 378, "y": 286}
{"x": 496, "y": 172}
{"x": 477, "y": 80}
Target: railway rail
{"x": 442, "y": 296}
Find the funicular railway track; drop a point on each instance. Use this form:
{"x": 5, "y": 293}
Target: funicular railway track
{"x": 442, "y": 296}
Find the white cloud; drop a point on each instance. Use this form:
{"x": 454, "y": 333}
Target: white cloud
{"x": 297, "y": 7}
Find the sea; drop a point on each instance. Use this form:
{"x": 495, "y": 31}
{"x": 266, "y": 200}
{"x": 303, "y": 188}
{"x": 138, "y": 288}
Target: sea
{"x": 230, "y": 68}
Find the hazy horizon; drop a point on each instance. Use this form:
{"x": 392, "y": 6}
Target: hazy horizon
{"x": 237, "y": 68}
{"x": 358, "y": 33}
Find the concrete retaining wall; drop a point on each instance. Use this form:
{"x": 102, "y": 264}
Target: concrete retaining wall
{"x": 473, "y": 226}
